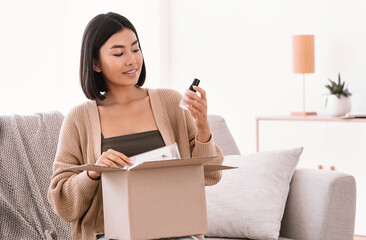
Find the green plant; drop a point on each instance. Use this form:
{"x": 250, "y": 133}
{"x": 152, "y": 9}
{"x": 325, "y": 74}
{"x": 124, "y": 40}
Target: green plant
{"x": 338, "y": 88}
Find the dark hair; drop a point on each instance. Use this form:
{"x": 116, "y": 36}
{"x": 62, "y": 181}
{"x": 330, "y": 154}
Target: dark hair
{"x": 96, "y": 33}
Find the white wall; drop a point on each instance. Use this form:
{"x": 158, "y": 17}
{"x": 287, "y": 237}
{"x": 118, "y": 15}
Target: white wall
{"x": 241, "y": 50}
{"x": 40, "y": 49}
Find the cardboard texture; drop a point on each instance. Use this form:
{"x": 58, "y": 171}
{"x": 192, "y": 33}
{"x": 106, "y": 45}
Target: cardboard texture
{"x": 160, "y": 199}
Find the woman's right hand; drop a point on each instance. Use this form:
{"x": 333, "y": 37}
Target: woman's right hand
{"x": 110, "y": 158}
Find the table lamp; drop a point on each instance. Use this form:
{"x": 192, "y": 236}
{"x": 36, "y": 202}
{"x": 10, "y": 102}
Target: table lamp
{"x": 303, "y": 62}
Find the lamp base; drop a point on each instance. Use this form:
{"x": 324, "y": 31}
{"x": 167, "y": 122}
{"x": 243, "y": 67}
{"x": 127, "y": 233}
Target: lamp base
{"x": 303, "y": 113}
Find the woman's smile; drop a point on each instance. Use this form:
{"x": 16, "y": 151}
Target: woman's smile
{"x": 131, "y": 73}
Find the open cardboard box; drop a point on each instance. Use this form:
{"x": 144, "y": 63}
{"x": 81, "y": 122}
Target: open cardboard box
{"x": 158, "y": 199}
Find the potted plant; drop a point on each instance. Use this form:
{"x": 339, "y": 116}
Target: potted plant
{"x": 339, "y": 101}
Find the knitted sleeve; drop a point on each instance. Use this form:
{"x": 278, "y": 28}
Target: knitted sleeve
{"x": 204, "y": 149}
{"x": 70, "y": 193}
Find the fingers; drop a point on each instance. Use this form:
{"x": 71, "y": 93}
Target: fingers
{"x": 197, "y": 106}
{"x": 192, "y": 95}
{"x": 120, "y": 155}
{"x": 112, "y": 158}
{"x": 108, "y": 164}
{"x": 201, "y": 91}
{"x": 199, "y": 102}
{"x": 194, "y": 111}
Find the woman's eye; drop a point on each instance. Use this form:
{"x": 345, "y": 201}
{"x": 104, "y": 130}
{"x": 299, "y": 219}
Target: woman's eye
{"x": 118, "y": 55}
{"x": 137, "y": 50}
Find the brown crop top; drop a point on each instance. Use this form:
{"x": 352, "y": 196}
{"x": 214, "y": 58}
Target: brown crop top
{"x": 133, "y": 144}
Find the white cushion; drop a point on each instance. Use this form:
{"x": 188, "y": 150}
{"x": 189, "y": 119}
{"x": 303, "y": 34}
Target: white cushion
{"x": 249, "y": 201}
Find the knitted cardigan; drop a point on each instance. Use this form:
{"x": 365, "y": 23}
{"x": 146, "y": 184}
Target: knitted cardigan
{"x": 78, "y": 199}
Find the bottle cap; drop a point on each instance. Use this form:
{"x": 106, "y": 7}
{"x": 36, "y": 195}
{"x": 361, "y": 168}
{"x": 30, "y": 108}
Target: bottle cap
{"x": 195, "y": 83}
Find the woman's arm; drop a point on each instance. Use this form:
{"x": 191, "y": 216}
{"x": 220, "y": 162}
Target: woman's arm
{"x": 70, "y": 194}
{"x": 200, "y": 136}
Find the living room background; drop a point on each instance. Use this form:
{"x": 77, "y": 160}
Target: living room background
{"x": 241, "y": 51}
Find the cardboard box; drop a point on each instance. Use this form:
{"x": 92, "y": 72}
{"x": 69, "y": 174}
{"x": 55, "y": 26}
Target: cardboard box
{"x": 159, "y": 199}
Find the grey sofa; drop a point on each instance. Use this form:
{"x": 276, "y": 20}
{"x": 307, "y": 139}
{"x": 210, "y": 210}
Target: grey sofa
{"x": 320, "y": 205}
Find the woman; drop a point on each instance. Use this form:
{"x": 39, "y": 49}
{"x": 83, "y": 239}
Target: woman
{"x": 121, "y": 120}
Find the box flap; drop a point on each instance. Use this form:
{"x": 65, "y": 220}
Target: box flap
{"x": 173, "y": 163}
{"x": 211, "y": 168}
{"x": 92, "y": 167}
{"x": 145, "y": 165}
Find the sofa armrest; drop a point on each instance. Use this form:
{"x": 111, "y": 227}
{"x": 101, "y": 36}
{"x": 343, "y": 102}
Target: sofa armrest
{"x": 321, "y": 205}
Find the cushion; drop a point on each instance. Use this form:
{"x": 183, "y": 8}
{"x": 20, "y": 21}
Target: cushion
{"x": 249, "y": 201}
{"x": 222, "y": 135}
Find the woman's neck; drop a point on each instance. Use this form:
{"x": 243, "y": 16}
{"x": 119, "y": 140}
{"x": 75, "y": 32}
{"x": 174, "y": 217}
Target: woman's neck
{"x": 123, "y": 95}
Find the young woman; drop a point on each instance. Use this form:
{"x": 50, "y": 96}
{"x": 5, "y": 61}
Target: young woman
{"x": 121, "y": 119}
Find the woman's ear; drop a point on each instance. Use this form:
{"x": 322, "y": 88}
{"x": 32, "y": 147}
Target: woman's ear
{"x": 96, "y": 66}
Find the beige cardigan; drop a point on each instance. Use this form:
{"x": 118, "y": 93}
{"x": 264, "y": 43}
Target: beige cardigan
{"x": 78, "y": 199}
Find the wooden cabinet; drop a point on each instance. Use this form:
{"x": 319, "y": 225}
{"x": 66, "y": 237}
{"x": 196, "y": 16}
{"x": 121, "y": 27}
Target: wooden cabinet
{"x": 357, "y": 237}
{"x": 330, "y": 142}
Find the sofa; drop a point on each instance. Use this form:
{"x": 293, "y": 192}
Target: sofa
{"x": 320, "y": 204}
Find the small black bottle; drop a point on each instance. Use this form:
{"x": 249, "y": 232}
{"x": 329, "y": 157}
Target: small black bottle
{"x": 195, "y": 82}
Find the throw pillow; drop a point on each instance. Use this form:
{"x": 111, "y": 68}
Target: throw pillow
{"x": 249, "y": 201}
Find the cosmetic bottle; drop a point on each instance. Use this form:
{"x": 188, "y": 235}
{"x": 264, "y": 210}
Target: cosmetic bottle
{"x": 182, "y": 104}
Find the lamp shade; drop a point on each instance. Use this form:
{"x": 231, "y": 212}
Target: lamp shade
{"x": 303, "y": 53}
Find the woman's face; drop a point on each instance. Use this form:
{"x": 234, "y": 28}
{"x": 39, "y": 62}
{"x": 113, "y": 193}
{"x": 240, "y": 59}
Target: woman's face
{"x": 120, "y": 59}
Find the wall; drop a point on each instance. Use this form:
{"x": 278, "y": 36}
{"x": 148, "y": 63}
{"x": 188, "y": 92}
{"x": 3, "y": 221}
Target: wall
{"x": 40, "y": 49}
{"x": 241, "y": 50}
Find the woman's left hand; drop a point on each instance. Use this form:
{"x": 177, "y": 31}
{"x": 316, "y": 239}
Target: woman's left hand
{"x": 197, "y": 106}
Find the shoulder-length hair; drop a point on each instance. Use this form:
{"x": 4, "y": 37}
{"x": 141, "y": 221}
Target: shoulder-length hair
{"x": 96, "y": 33}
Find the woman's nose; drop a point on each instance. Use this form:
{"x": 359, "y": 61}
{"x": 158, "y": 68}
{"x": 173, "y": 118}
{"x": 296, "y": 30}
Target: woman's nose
{"x": 130, "y": 59}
